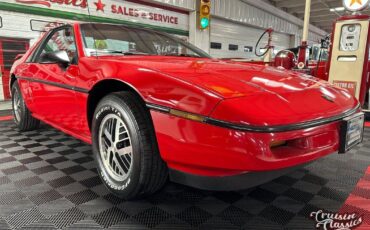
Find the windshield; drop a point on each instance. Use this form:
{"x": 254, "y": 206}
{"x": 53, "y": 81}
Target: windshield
{"x": 103, "y": 39}
{"x": 319, "y": 53}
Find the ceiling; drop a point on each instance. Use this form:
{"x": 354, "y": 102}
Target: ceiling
{"x": 320, "y": 13}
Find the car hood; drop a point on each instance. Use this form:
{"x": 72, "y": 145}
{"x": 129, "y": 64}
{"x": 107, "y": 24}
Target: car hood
{"x": 253, "y": 92}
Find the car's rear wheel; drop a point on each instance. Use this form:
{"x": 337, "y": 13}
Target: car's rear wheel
{"x": 22, "y": 116}
{"x": 125, "y": 147}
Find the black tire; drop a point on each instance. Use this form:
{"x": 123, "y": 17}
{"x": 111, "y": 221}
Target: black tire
{"x": 22, "y": 116}
{"x": 147, "y": 172}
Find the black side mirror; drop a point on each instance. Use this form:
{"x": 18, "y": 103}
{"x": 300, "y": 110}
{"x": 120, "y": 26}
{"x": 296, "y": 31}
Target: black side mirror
{"x": 59, "y": 57}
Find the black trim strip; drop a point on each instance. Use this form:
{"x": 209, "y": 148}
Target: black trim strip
{"x": 158, "y": 108}
{"x": 77, "y": 89}
{"x": 266, "y": 129}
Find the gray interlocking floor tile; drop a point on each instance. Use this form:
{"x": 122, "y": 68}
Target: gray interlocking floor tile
{"x": 48, "y": 180}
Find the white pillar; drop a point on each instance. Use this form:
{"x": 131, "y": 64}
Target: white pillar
{"x": 197, "y": 37}
{"x": 306, "y": 25}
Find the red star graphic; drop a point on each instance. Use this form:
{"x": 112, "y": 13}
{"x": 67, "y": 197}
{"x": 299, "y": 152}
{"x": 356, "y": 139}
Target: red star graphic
{"x": 99, "y": 5}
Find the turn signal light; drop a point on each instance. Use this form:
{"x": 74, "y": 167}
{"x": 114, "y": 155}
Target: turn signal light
{"x": 276, "y": 144}
{"x": 190, "y": 116}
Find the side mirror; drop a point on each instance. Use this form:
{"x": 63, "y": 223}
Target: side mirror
{"x": 59, "y": 57}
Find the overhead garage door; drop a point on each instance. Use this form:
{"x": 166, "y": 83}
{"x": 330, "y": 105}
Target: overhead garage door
{"x": 232, "y": 40}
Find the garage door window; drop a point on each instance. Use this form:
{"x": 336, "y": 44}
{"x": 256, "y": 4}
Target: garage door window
{"x": 216, "y": 45}
{"x": 233, "y": 47}
{"x": 248, "y": 49}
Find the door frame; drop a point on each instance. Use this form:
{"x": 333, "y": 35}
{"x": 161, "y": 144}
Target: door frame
{"x": 4, "y": 92}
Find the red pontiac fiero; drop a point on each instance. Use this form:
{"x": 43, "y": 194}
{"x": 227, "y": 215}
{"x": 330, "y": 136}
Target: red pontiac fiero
{"x": 154, "y": 107}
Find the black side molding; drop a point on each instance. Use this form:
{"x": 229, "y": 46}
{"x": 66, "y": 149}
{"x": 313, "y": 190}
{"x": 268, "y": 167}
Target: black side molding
{"x": 265, "y": 129}
{"x": 63, "y": 86}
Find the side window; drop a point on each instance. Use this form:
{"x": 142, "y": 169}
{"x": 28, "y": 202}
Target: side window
{"x": 61, "y": 40}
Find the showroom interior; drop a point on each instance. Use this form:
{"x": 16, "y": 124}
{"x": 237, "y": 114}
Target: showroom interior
{"x": 184, "y": 114}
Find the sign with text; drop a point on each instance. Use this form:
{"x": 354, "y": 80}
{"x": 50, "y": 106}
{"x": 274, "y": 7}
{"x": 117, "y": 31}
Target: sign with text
{"x": 348, "y": 85}
{"x": 115, "y": 9}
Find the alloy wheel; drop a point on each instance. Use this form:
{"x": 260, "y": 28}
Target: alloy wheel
{"x": 17, "y": 105}
{"x": 115, "y": 147}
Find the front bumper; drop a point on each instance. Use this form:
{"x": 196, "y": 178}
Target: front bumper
{"x": 203, "y": 149}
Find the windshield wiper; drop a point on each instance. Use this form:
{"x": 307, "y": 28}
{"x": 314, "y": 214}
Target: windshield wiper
{"x": 119, "y": 52}
{"x": 134, "y": 53}
{"x": 180, "y": 55}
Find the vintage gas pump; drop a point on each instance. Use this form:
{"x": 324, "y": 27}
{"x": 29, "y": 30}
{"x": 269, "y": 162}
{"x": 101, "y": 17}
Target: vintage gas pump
{"x": 349, "y": 53}
{"x": 268, "y": 49}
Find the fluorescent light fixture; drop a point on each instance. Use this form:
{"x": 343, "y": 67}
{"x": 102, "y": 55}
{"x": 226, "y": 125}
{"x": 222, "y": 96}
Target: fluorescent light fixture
{"x": 337, "y": 9}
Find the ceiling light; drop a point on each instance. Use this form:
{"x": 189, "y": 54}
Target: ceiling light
{"x": 337, "y": 9}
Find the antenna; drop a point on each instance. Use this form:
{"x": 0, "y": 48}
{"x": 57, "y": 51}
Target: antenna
{"x": 88, "y": 9}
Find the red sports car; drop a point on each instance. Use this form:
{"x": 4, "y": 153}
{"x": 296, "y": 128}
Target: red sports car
{"x": 154, "y": 106}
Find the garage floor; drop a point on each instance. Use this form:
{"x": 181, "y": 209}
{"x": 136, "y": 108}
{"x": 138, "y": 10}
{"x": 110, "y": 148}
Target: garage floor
{"x": 48, "y": 181}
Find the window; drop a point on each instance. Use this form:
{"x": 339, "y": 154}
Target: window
{"x": 216, "y": 45}
{"x": 61, "y": 40}
{"x": 350, "y": 37}
{"x": 233, "y": 47}
{"x": 248, "y": 49}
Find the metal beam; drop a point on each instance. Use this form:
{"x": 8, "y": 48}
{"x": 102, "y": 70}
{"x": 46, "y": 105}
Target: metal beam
{"x": 298, "y": 3}
{"x": 318, "y": 14}
{"x": 325, "y": 19}
{"x": 315, "y": 7}
{"x": 291, "y": 3}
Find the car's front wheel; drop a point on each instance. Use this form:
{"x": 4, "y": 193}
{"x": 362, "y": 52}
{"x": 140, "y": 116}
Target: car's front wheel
{"x": 125, "y": 147}
{"x": 22, "y": 116}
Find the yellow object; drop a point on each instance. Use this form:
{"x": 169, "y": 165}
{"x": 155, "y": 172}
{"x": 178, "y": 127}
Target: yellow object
{"x": 186, "y": 115}
{"x": 275, "y": 144}
{"x": 356, "y": 1}
{"x": 204, "y": 14}
{"x": 101, "y": 44}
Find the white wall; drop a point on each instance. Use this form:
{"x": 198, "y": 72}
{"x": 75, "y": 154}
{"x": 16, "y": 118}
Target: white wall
{"x": 255, "y": 13}
{"x": 181, "y": 4}
{"x": 17, "y": 25}
{"x": 261, "y": 14}
{"x": 228, "y": 32}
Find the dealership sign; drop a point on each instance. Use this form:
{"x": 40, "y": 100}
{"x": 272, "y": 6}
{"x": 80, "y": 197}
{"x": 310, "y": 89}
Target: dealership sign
{"x": 115, "y": 9}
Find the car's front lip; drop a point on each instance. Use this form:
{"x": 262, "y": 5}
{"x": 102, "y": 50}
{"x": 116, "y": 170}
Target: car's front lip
{"x": 263, "y": 129}
{"x": 229, "y": 183}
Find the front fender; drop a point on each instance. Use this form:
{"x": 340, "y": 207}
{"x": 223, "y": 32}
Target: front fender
{"x": 154, "y": 87}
